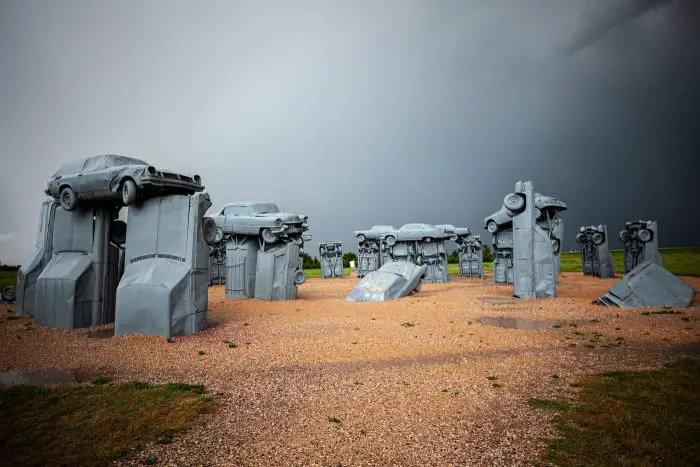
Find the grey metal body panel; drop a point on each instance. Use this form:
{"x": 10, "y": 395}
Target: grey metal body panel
{"x": 648, "y": 284}
{"x": 471, "y": 254}
{"x": 77, "y": 287}
{"x": 555, "y": 229}
{"x": 251, "y": 218}
{"x": 241, "y": 266}
{"x": 434, "y": 256}
{"x": 422, "y": 244}
{"x": 503, "y": 266}
{"x": 395, "y": 279}
{"x": 637, "y": 247}
{"x": 371, "y": 254}
{"x": 217, "y": 264}
{"x": 43, "y": 251}
{"x": 331, "y": 254}
{"x": 276, "y": 268}
{"x": 164, "y": 289}
{"x": 99, "y": 178}
{"x": 596, "y": 258}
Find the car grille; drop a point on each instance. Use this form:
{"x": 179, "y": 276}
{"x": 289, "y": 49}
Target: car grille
{"x": 173, "y": 176}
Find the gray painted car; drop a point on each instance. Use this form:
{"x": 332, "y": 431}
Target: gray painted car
{"x": 110, "y": 177}
{"x": 261, "y": 218}
{"x": 395, "y": 279}
{"x": 546, "y": 206}
{"x": 373, "y": 233}
{"x": 420, "y": 233}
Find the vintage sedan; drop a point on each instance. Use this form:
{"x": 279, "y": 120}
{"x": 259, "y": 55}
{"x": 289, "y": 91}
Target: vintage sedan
{"x": 395, "y": 279}
{"x": 545, "y": 206}
{"x": 374, "y": 233}
{"x": 591, "y": 233}
{"x": 263, "y": 219}
{"x": 115, "y": 178}
{"x": 420, "y": 233}
{"x": 637, "y": 230}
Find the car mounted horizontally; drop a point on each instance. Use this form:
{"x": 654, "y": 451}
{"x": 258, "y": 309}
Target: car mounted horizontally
{"x": 120, "y": 179}
{"x": 261, "y": 218}
{"x": 420, "y": 233}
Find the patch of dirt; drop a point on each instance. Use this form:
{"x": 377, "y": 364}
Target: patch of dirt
{"x": 414, "y": 381}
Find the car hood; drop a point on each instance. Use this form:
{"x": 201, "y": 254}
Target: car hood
{"x": 395, "y": 279}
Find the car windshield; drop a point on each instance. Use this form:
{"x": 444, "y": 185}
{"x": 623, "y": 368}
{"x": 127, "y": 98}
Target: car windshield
{"x": 237, "y": 211}
{"x": 73, "y": 167}
{"x": 265, "y": 208}
{"x": 117, "y": 161}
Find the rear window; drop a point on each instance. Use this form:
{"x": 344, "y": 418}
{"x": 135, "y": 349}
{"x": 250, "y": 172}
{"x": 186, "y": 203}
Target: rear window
{"x": 117, "y": 161}
{"x": 69, "y": 168}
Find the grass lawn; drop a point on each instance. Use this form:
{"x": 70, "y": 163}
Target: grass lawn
{"x": 91, "y": 425}
{"x": 629, "y": 418}
{"x": 7, "y": 278}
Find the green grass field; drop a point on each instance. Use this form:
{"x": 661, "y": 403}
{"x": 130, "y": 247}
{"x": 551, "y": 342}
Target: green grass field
{"x": 7, "y": 278}
{"x": 679, "y": 261}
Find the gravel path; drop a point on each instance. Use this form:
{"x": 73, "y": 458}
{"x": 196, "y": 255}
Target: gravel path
{"x": 323, "y": 381}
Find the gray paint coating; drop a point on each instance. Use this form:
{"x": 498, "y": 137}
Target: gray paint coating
{"x": 641, "y": 243}
{"x": 471, "y": 254}
{"x": 164, "y": 289}
{"x": 241, "y": 266}
{"x": 102, "y": 178}
{"x": 31, "y": 269}
{"x": 395, "y": 279}
{"x": 77, "y": 287}
{"x": 422, "y": 244}
{"x": 371, "y": 255}
{"x": 278, "y": 272}
{"x": 331, "y": 254}
{"x": 648, "y": 284}
{"x": 596, "y": 258}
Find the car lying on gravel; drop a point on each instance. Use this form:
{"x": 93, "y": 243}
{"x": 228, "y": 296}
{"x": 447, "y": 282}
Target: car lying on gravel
{"x": 261, "y": 218}
{"x": 395, "y": 279}
{"x": 420, "y": 233}
{"x": 117, "y": 178}
{"x": 545, "y": 206}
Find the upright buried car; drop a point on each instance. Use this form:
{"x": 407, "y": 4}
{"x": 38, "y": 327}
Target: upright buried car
{"x": 546, "y": 207}
{"x": 261, "y": 218}
{"x": 117, "y": 178}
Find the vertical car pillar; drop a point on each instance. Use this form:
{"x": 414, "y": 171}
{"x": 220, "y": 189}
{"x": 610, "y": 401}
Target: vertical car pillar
{"x": 596, "y": 258}
{"x": 533, "y": 256}
{"x": 331, "y": 255}
{"x": 77, "y": 287}
{"x": 278, "y": 272}
{"x": 164, "y": 288}
{"x": 641, "y": 243}
{"x": 471, "y": 257}
{"x": 29, "y": 272}
{"x": 241, "y": 265}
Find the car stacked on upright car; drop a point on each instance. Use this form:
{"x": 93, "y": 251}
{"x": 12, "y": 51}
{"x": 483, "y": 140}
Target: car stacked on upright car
{"x": 111, "y": 177}
{"x": 261, "y": 218}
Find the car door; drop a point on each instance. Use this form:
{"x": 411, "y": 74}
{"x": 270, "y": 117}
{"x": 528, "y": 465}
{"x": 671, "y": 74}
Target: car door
{"x": 94, "y": 179}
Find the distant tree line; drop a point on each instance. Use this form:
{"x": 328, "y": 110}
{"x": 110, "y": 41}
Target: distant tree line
{"x": 453, "y": 258}
{"x": 9, "y": 267}
{"x": 312, "y": 262}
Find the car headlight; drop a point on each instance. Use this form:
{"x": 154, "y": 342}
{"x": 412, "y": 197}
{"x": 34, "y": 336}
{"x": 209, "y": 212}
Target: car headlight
{"x": 278, "y": 221}
{"x": 197, "y": 179}
{"x": 152, "y": 170}
{"x": 285, "y": 226}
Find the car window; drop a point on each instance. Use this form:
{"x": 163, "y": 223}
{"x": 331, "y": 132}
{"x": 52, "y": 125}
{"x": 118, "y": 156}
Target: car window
{"x": 266, "y": 208}
{"x": 237, "y": 211}
{"x": 95, "y": 163}
{"x": 118, "y": 161}
{"x": 73, "y": 167}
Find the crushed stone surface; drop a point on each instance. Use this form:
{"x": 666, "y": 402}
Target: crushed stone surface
{"x": 415, "y": 381}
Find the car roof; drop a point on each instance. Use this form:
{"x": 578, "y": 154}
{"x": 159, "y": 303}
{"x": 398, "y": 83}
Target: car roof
{"x": 247, "y": 203}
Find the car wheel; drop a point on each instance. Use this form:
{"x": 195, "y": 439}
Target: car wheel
{"x": 419, "y": 285}
{"x": 209, "y": 230}
{"x": 492, "y": 227}
{"x": 625, "y": 236}
{"x": 555, "y": 246}
{"x": 219, "y": 235}
{"x": 427, "y": 239}
{"x": 361, "y": 238}
{"x": 579, "y": 238}
{"x": 598, "y": 238}
{"x": 299, "y": 277}
{"x": 514, "y": 202}
{"x": 128, "y": 192}
{"x": 268, "y": 236}
{"x": 117, "y": 232}
{"x": 390, "y": 240}
{"x": 644, "y": 235}
{"x": 68, "y": 199}
{"x": 9, "y": 293}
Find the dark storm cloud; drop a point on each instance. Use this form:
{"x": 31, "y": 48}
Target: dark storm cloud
{"x": 364, "y": 112}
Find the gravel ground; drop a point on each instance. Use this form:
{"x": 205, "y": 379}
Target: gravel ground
{"x": 323, "y": 381}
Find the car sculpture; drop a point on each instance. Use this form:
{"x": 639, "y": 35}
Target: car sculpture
{"x": 638, "y": 230}
{"x": 117, "y": 178}
{"x": 260, "y": 218}
{"x": 395, "y": 279}
{"x": 546, "y": 207}
{"x": 374, "y": 233}
{"x": 420, "y": 233}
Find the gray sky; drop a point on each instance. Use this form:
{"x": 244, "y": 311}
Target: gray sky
{"x": 364, "y": 112}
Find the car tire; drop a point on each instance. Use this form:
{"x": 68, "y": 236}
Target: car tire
{"x": 361, "y": 238}
{"x": 219, "y": 235}
{"x": 419, "y": 285}
{"x": 128, "y": 192}
{"x": 514, "y": 202}
{"x": 299, "y": 277}
{"x": 625, "y": 236}
{"x": 9, "y": 293}
{"x": 492, "y": 227}
{"x": 69, "y": 201}
{"x": 598, "y": 238}
{"x": 579, "y": 238}
{"x": 209, "y": 230}
{"x": 644, "y": 235}
{"x": 117, "y": 232}
{"x": 390, "y": 240}
{"x": 556, "y": 245}
{"x": 268, "y": 236}
{"x": 427, "y": 239}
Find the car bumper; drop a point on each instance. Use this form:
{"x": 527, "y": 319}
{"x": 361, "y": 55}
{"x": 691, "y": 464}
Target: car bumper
{"x": 163, "y": 184}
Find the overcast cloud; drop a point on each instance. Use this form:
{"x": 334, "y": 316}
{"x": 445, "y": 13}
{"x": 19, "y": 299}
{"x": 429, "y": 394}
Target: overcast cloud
{"x": 364, "y": 112}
